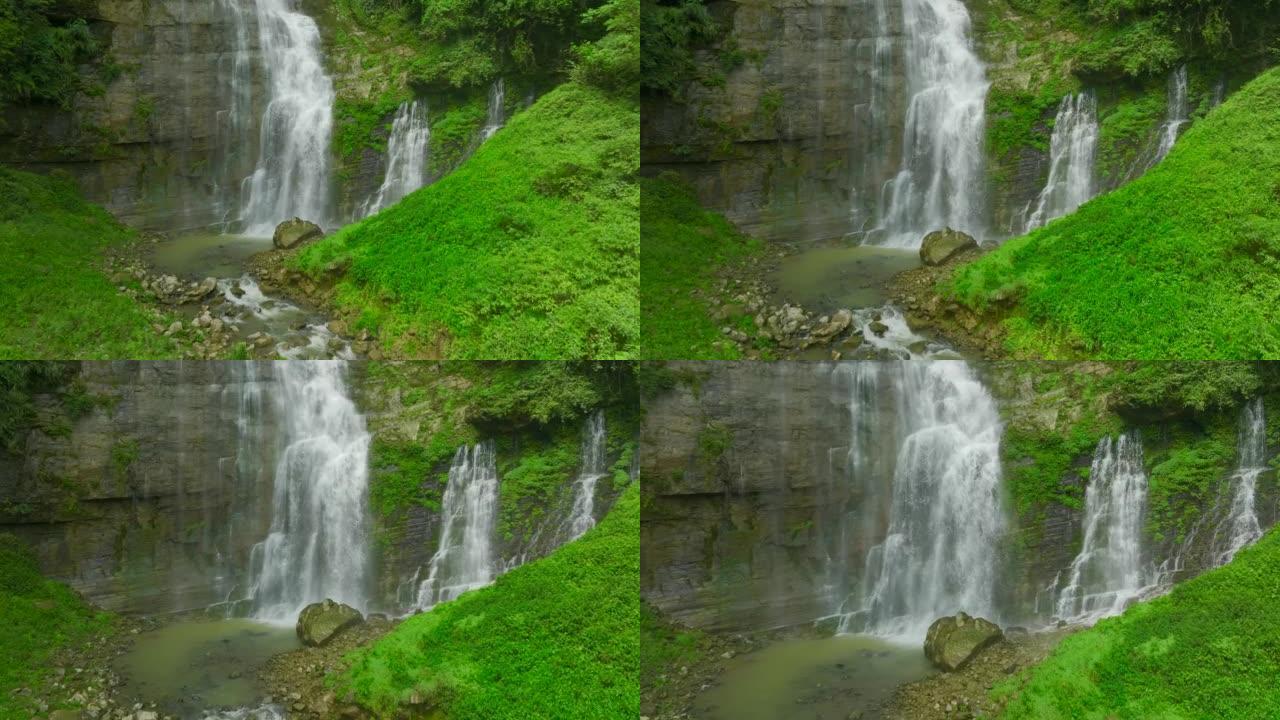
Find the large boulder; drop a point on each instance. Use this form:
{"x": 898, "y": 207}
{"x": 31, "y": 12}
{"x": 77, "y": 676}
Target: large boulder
{"x": 292, "y": 233}
{"x": 942, "y": 245}
{"x": 953, "y": 641}
{"x": 319, "y": 622}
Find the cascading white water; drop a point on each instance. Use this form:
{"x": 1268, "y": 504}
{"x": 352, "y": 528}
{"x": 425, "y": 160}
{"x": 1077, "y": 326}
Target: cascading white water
{"x": 464, "y": 558}
{"x": 946, "y": 513}
{"x": 594, "y": 467}
{"x": 1072, "y": 151}
{"x": 1110, "y": 571}
{"x": 318, "y": 544}
{"x": 407, "y": 150}
{"x": 1177, "y": 115}
{"x": 497, "y": 109}
{"x": 292, "y": 176}
{"x": 940, "y": 177}
{"x": 1241, "y": 525}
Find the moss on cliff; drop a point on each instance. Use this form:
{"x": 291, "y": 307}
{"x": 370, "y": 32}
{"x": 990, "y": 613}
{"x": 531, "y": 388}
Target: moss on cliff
{"x": 58, "y": 302}
{"x": 1178, "y": 264}
{"x": 1208, "y": 649}
{"x": 40, "y": 617}
{"x": 529, "y": 250}
{"x": 685, "y": 247}
{"x": 558, "y": 637}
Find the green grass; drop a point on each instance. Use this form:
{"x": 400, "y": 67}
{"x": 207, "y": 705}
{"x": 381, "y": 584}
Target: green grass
{"x": 558, "y": 637}
{"x": 684, "y": 245}
{"x": 528, "y": 250}
{"x": 40, "y": 616}
{"x": 58, "y": 303}
{"x": 1209, "y": 649}
{"x": 1181, "y": 263}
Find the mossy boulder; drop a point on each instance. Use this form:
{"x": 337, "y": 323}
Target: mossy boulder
{"x": 942, "y": 245}
{"x": 319, "y": 622}
{"x": 953, "y": 641}
{"x": 292, "y": 233}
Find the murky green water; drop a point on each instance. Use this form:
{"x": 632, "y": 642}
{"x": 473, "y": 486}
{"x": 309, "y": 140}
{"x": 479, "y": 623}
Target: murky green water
{"x": 825, "y": 279}
{"x": 202, "y": 255}
{"x": 190, "y": 667}
{"x": 813, "y": 679}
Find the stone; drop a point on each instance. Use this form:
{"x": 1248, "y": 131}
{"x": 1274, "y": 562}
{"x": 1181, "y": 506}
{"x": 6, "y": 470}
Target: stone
{"x": 879, "y": 328}
{"x": 319, "y": 622}
{"x": 942, "y": 245}
{"x": 146, "y": 715}
{"x": 293, "y": 233}
{"x": 65, "y": 715}
{"x": 955, "y": 640}
{"x": 839, "y": 322}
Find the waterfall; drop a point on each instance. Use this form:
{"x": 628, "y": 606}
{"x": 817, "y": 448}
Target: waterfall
{"x": 1071, "y": 161}
{"x": 1242, "y": 520}
{"x": 1110, "y": 572}
{"x": 319, "y": 538}
{"x": 292, "y": 176}
{"x": 464, "y": 558}
{"x": 497, "y": 109}
{"x": 407, "y": 150}
{"x": 594, "y": 467}
{"x": 940, "y": 178}
{"x": 1178, "y": 114}
{"x": 945, "y": 514}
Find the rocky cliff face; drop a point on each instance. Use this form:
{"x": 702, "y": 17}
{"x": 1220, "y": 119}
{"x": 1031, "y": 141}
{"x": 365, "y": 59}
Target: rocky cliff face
{"x": 793, "y": 130}
{"x": 153, "y": 146}
{"x": 747, "y": 482}
{"x": 152, "y": 499}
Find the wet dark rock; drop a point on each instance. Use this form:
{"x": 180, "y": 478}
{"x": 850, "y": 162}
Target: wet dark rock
{"x": 293, "y": 233}
{"x": 319, "y": 622}
{"x": 953, "y": 641}
{"x": 942, "y": 245}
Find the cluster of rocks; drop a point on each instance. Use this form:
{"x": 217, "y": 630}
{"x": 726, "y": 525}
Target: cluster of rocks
{"x": 964, "y": 693}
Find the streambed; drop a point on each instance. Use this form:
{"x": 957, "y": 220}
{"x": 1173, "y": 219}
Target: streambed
{"x": 831, "y": 678}
{"x": 263, "y": 322}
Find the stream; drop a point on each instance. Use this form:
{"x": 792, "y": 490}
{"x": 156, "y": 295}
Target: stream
{"x": 259, "y": 320}
{"x": 825, "y": 279}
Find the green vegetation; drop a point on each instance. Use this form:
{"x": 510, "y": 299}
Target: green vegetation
{"x": 529, "y": 250}
{"x": 684, "y": 247}
{"x": 40, "y": 616}
{"x": 19, "y": 382}
{"x": 58, "y": 302}
{"x": 1186, "y": 462}
{"x": 531, "y": 479}
{"x": 1178, "y": 264}
{"x": 670, "y": 32}
{"x": 558, "y": 637}
{"x": 40, "y": 50}
{"x": 1206, "y": 650}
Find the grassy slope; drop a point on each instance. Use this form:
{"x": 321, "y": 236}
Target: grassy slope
{"x": 1209, "y": 649}
{"x": 558, "y": 637}
{"x": 39, "y": 616}
{"x": 683, "y": 247}
{"x": 528, "y": 250}
{"x": 58, "y": 303}
{"x": 1179, "y": 264}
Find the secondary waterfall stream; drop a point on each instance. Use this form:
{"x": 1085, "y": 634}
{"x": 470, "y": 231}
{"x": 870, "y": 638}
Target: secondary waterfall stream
{"x": 594, "y": 467}
{"x": 945, "y": 511}
{"x": 318, "y": 543}
{"x": 1241, "y": 527}
{"x": 1178, "y": 114}
{"x": 407, "y": 149}
{"x": 1111, "y": 569}
{"x": 464, "y": 558}
{"x": 940, "y": 175}
{"x": 1072, "y": 151}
